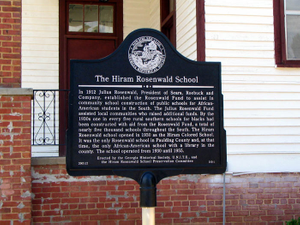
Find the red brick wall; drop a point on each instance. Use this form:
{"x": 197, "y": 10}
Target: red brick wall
{"x": 10, "y": 43}
{"x": 15, "y": 161}
{"x": 187, "y": 199}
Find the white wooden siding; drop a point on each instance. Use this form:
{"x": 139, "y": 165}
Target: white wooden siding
{"x": 40, "y": 54}
{"x": 155, "y": 14}
{"x": 40, "y": 44}
{"x": 136, "y": 15}
{"x": 262, "y": 102}
{"x": 186, "y": 38}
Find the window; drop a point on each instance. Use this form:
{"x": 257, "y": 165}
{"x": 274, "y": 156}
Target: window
{"x": 91, "y": 18}
{"x": 287, "y": 32}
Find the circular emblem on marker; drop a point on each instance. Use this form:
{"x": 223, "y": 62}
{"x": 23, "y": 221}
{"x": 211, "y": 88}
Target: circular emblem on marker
{"x": 146, "y": 54}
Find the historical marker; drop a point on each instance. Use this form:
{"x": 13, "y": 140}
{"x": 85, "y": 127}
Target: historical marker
{"x": 145, "y": 108}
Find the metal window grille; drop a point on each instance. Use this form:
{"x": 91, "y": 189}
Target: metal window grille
{"x": 45, "y": 117}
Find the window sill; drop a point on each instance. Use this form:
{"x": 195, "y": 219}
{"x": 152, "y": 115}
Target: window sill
{"x": 288, "y": 65}
{"x": 39, "y": 161}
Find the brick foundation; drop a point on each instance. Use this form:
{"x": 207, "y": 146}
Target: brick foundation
{"x": 48, "y": 195}
{"x": 15, "y": 156}
{"x": 187, "y": 199}
{"x": 10, "y": 43}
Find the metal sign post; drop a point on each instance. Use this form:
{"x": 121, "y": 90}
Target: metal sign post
{"x": 148, "y": 216}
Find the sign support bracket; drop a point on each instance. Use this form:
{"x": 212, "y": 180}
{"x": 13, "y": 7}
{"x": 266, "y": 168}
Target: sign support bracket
{"x": 148, "y": 198}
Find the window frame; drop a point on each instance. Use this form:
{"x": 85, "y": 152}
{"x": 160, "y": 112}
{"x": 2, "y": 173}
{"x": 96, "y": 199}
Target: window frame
{"x": 99, "y": 3}
{"x": 280, "y": 36}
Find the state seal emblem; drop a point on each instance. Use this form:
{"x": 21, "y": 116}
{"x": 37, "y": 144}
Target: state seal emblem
{"x": 146, "y": 54}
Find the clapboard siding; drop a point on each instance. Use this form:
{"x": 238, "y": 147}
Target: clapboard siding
{"x": 155, "y": 14}
{"x": 261, "y": 102}
{"x": 267, "y": 54}
{"x": 239, "y": 36}
{"x": 136, "y": 15}
{"x": 140, "y": 14}
{"x": 39, "y": 27}
{"x": 239, "y": 45}
{"x": 263, "y": 139}
{"x": 238, "y": 28}
{"x": 233, "y": 19}
{"x": 258, "y": 149}
{"x": 262, "y": 77}
{"x": 240, "y": 4}
{"x": 40, "y": 44}
{"x": 257, "y": 122}
{"x": 253, "y": 10}
{"x": 29, "y": 19}
{"x": 285, "y": 72}
{"x": 271, "y": 130}
{"x": 261, "y": 114}
{"x": 40, "y": 48}
{"x": 258, "y": 163}
{"x": 242, "y": 96}
{"x": 260, "y": 87}
{"x": 186, "y": 28}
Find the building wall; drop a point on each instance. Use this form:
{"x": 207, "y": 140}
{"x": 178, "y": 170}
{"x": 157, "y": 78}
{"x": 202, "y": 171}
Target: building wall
{"x": 186, "y": 199}
{"x": 261, "y": 111}
{"x": 155, "y": 14}
{"x": 40, "y": 37}
{"x": 40, "y": 44}
{"x": 261, "y": 101}
{"x": 186, "y": 34}
{"x": 137, "y": 15}
{"x": 10, "y": 43}
{"x": 40, "y": 49}
{"x": 15, "y": 110}
{"x": 15, "y": 157}
{"x": 261, "y": 107}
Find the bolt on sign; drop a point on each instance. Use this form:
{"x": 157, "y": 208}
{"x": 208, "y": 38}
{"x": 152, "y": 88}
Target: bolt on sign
{"x": 145, "y": 108}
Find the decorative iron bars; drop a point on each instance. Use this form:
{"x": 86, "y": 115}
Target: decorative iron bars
{"x": 45, "y": 116}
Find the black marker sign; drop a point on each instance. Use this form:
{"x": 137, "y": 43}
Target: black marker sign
{"x": 145, "y": 108}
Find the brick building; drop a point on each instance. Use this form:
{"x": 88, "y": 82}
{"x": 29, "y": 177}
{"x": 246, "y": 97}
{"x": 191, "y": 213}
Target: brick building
{"x": 256, "y": 42}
